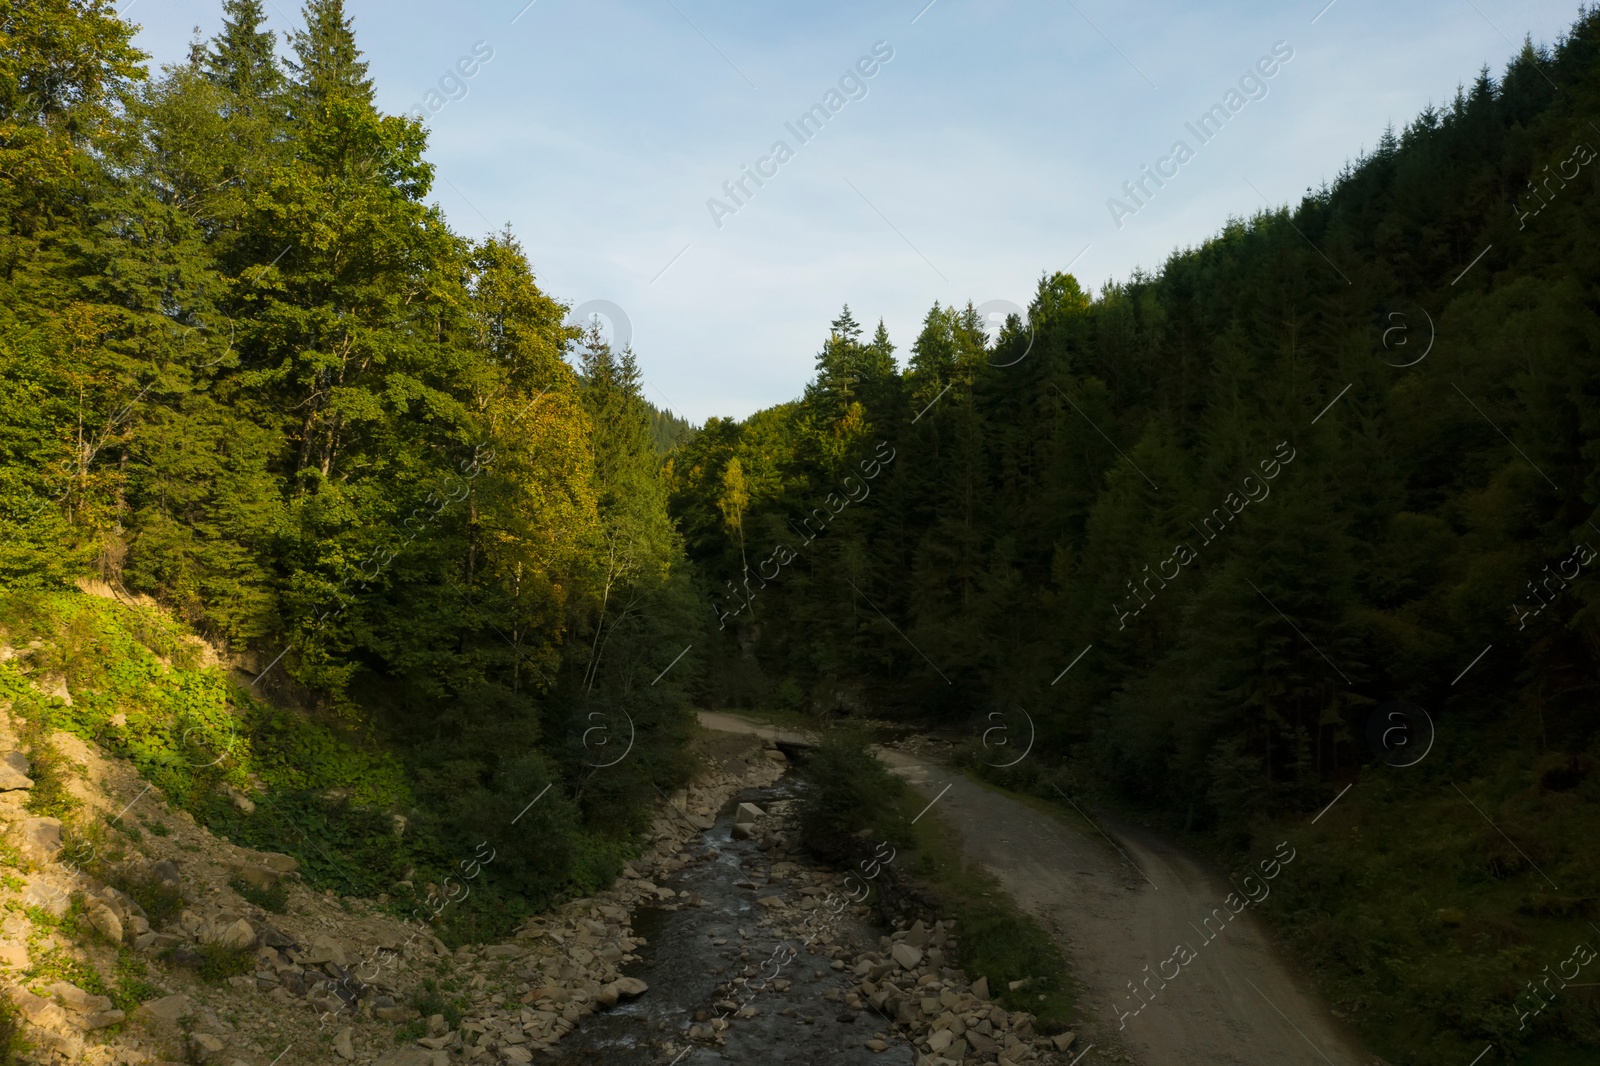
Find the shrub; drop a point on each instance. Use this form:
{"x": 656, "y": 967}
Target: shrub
{"x": 274, "y": 899}
{"x": 851, "y": 793}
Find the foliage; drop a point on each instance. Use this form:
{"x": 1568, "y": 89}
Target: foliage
{"x": 850, "y": 794}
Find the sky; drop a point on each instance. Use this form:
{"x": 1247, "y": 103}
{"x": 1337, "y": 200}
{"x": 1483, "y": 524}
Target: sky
{"x": 980, "y": 154}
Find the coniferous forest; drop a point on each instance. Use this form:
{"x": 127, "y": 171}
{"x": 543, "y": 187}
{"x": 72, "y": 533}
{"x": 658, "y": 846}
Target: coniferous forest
{"x": 1213, "y": 532}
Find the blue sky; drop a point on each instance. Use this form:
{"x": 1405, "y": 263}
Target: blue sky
{"x": 981, "y": 156}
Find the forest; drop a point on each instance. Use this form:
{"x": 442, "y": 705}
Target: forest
{"x": 1203, "y": 534}
{"x": 250, "y": 373}
{"x": 1201, "y": 529}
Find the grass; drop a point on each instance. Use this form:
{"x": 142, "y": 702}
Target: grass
{"x": 219, "y": 963}
{"x": 14, "y": 1048}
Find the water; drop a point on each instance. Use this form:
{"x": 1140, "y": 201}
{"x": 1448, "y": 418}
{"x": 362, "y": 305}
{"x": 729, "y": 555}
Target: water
{"x": 684, "y": 966}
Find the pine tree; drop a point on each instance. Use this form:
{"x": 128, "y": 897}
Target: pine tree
{"x": 330, "y": 66}
{"x": 243, "y": 58}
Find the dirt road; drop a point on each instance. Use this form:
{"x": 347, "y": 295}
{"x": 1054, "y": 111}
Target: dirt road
{"x": 1117, "y": 908}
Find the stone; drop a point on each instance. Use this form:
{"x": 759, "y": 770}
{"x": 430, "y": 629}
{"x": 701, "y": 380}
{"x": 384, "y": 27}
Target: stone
{"x": 980, "y": 988}
{"x": 240, "y": 800}
{"x": 255, "y": 876}
{"x": 771, "y": 902}
{"x": 282, "y": 865}
{"x": 238, "y": 937}
{"x": 15, "y": 956}
{"x": 166, "y": 1009}
{"x": 38, "y": 1010}
{"x": 502, "y": 951}
{"x": 700, "y": 821}
{"x": 14, "y": 772}
{"x": 392, "y": 1014}
{"x": 519, "y": 1055}
{"x": 630, "y": 986}
{"x": 437, "y": 1026}
{"x": 74, "y": 998}
{"x": 342, "y": 1046}
{"x": 323, "y": 949}
{"x": 747, "y": 813}
{"x": 48, "y": 896}
{"x": 941, "y": 1040}
{"x": 41, "y": 838}
{"x": 165, "y": 871}
{"x": 906, "y": 955}
{"x": 106, "y": 921}
{"x": 917, "y": 936}
{"x": 1063, "y": 1041}
{"x": 206, "y": 1045}
{"x": 102, "y": 1018}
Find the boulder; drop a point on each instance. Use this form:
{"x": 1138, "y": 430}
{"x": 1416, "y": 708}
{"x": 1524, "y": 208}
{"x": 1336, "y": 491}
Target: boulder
{"x": 38, "y": 1010}
{"x": 106, "y": 921}
{"x": 747, "y": 814}
{"x": 1063, "y": 1041}
{"x": 906, "y": 955}
{"x": 74, "y": 998}
{"x": 980, "y": 988}
{"x": 41, "y": 839}
{"x": 238, "y": 937}
{"x": 282, "y": 865}
{"x": 207, "y": 1046}
{"x": 14, "y": 772}
{"x": 323, "y": 949}
{"x": 103, "y": 1018}
{"x": 255, "y": 876}
{"x": 15, "y": 956}
{"x": 342, "y": 1046}
{"x": 630, "y": 986}
{"x": 166, "y": 1009}
{"x": 165, "y": 871}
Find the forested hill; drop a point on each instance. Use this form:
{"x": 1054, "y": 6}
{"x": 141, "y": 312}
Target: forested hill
{"x": 1334, "y": 457}
{"x": 246, "y": 369}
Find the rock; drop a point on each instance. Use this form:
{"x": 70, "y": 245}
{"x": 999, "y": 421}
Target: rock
{"x": 980, "y": 988}
{"x": 771, "y": 902}
{"x": 255, "y": 876}
{"x": 519, "y": 1055}
{"x": 165, "y": 871}
{"x": 742, "y": 831}
{"x": 106, "y": 921}
{"x": 206, "y": 1045}
{"x": 1063, "y": 1041}
{"x": 502, "y": 951}
{"x": 240, "y": 937}
{"x": 700, "y": 821}
{"x": 103, "y": 1018}
{"x": 15, "y": 956}
{"x": 906, "y": 955}
{"x": 282, "y": 865}
{"x": 166, "y": 1009}
{"x": 630, "y": 986}
{"x": 74, "y": 998}
{"x": 41, "y": 838}
{"x": 876, "y": 1045}
{"x": 392, "y": 1014}
{"x": 240, "y": 800}
{"x": 323, "y": 949}
{"x": 607, "y": 996}
{"x": 52, "y": 898}
{"x": 38, "y": 1010}
{"x": 747, "y": 813}
{"x": 342, "y": 1046}
{"x": 14, "y": 772}
{"x": 437, "y": 1026}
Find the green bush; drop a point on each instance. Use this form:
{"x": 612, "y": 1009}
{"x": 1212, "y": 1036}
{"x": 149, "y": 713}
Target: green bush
{"x": 14, "y": 1047}
{"x": 850, "y": 794}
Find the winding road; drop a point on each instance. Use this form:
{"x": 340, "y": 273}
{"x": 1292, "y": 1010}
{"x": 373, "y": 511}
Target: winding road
{"x": 1118, "y": 899}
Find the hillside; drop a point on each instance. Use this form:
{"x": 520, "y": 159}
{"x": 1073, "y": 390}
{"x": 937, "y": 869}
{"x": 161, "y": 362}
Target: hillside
{"x": 1221, "y": 540}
